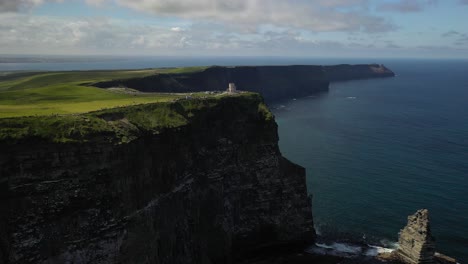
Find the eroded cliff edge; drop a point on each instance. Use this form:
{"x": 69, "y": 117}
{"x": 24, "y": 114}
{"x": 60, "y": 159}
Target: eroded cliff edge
{"x": 192, "y": 181}
{"x": 273, "y": 82}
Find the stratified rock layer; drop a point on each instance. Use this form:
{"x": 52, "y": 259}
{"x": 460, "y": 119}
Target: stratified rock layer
{"x": 416, "y": 244}
{"x": 205, "y": 192}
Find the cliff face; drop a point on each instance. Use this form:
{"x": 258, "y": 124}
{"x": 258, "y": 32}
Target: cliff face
{"x": 206, "y": 190}
{"x": 346, "y": 72}
{"x": 273, "y": 82}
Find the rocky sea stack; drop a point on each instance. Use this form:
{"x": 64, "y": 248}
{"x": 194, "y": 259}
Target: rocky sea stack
{"x": 417, "y": 245}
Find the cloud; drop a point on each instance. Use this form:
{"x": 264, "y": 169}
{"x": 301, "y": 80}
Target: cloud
{"x": 433, "y": 47}
{"x": 450, "y": 33}
{"x": 462, "y": 41}
{"x": 461, "y": 38}
{"x": 24, "y": 5}
{"x": 406, "y": 6}
{"x": 177, "y": 29}
{"x": 16, "y": 5}
{"x": 95, "y": 2}
{"x": 391, "y": 45}
{"x": 39, "y": 34}
{"x": 463, "y": 2}
{"x": 23, "y": 33}
{"x": 318, "y": 16}
{"x": 248, "y": 15}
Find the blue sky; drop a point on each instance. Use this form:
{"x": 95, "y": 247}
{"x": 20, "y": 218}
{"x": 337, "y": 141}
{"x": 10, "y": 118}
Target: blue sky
{"x": 310, "y": 28}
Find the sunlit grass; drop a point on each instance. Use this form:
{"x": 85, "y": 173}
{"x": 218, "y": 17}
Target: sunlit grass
{"x": 67, "y": 92}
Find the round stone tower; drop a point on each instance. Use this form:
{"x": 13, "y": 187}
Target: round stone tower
{"x": 232, "y": 88}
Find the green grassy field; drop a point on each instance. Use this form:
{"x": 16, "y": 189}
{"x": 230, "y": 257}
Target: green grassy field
{"x": 47, "y": 93}
{"x": 124, "y": 124}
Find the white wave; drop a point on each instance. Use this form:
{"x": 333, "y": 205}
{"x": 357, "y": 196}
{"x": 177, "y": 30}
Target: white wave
{"x": 351, "y": 97}
{"x": 374, "y": 251}
{"x": 336, "y": 249}
{"x": 347, "y": 250}
{"x": 389, "y": 244}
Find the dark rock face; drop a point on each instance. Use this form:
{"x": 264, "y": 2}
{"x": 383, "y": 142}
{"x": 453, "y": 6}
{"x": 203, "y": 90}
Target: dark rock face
{"x": 273, "y": 82}
{"x": 416, "y": 244}
{"x": 208, "y": 192}
{"x": 345, "y": 72}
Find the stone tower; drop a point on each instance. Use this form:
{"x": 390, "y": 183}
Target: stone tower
{"x": 416, "y": 244}
{"x": 232, "y": 88}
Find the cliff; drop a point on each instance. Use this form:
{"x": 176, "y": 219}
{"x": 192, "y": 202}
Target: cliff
{"x": 273, "y": 82}
{"x": 346, "y": 72}
{"x": 190, "y": 181}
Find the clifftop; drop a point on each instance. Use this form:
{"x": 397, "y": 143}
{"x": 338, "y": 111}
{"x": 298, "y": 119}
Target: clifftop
{"x": 124, "y": 124}
{"x": 72, "y": 92}
{"x": 273, "y": 82}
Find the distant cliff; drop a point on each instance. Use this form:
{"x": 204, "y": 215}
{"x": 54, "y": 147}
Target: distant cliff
{"x": 346, "y": 72}
{"x": 191, "y": 181}
{"x": 273, "y": 82}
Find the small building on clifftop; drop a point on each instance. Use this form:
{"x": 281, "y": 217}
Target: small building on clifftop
{"x": 232, "y": 88}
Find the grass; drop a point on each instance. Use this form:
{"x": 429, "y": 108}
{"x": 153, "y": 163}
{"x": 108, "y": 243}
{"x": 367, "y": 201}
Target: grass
{"x": 29, "y": 94}
{"x": 124, "y": 124}
{"x": 62, "y": 107}
{"x": 184, "y": 70}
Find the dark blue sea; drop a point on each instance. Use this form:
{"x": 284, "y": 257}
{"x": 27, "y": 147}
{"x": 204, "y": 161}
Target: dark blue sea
{"x": 378, "y": 150}
{"x": 375, "y": 150}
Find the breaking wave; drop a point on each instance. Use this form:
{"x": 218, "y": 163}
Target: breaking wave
{"x": 348, "y": 250}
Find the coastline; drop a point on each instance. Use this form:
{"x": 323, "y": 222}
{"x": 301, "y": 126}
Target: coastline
{"x": 328, "y": 246}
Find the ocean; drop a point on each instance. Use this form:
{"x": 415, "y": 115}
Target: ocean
{"x": 375, "y": 150}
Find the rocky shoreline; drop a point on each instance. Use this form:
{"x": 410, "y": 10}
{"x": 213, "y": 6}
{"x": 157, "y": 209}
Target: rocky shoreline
{"x": 416, "y": 246}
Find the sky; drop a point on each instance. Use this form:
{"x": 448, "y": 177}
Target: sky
{"x": 307, "y": 28}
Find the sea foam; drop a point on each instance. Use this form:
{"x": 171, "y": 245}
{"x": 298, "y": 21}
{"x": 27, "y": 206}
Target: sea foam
{"x": 347, "y": 250}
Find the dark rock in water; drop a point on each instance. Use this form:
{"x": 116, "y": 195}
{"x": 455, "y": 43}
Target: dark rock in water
{"x": 416, "y": 244}
{"x": 443, "y": 259}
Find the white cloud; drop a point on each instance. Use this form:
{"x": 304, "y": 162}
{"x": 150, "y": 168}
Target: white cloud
{"x": 36, "y": 34}
{"x": 244, "y": 27}
{"x": 248, "y": 15}
{"x": 177, "y": 29}
{"x": 25, "y": 34}
{"x": 319, "y": 15}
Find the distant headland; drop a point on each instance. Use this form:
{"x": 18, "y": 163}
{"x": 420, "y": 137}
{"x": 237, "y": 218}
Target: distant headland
{"x": 273, "y": 82}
